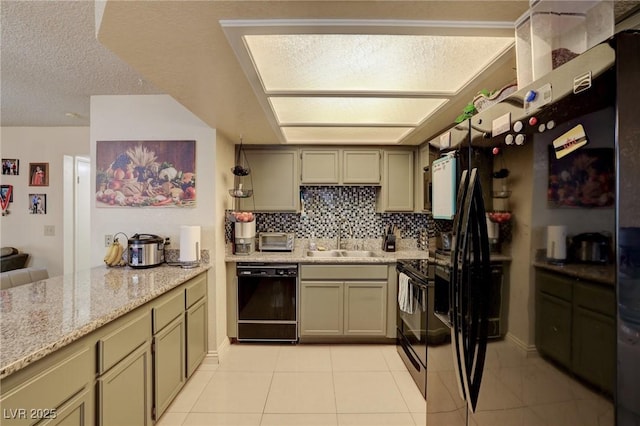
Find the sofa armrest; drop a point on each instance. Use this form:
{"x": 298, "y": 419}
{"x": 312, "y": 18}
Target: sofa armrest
{"x": 22, "y": 276}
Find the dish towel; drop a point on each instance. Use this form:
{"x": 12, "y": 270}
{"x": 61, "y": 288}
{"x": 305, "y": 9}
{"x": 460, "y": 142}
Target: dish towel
{"x": 405, "y": 294}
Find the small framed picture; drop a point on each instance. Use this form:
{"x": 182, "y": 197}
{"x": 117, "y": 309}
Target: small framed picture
{"x": 10, "y": 166}
{"x": 6, "y": 190}
{"x": 38, "y": 203}
{"x": 38, "y": 174}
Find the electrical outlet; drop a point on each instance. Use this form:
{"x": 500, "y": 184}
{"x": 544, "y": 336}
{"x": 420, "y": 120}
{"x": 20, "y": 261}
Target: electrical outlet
{"x": 49, "y": 230}
{"x": 108, "y": 240}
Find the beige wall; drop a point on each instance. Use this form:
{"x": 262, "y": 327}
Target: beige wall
{"x": 224, "y": 182}
{"x": 160, "y": 117}
{"x": 521, "y": 302}
{"x": 25, "y": 231}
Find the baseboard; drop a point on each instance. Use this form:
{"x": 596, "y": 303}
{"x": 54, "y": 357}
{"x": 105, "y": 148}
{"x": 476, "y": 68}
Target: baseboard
{"x": 213, "y": 357}
{"x": 528, "y": 350}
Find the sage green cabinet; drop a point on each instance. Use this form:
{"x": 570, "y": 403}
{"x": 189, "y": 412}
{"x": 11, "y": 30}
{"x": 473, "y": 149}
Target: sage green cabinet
{"x": 337, "y": 166}
{"x": 274, "y": 177}
{"x": 594, "y": 334}
{"x": 365, "y": 308}
{"x": 553, "y": 330}
{"x": 107, "y": 377}
{"x": 575, "y": 326}
{"x": 320, "y": 166}
{"x": 169, "y": 363}
{"x": 343, "y": 300}
{"x": 124, "y": 371}
{"x": 124, "y": 392}
{"x": 169, "y": 348}
{"x": 78, "y": 411}
{"x": 196, "y": 318}
{"x": 361, "y": 166}
{"x": 396, "y": 193}
{"x": 321, "y": 308}
{"x": 55, "y": 390}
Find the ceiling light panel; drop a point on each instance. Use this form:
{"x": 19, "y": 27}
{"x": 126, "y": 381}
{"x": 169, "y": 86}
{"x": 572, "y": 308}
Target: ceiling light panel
{"x": 370, "y": 63}
{"x": 353, "y": 110}
{"x": 345, "y": 135}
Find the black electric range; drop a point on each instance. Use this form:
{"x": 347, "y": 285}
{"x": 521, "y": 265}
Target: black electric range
{"x": 421, "y": 270}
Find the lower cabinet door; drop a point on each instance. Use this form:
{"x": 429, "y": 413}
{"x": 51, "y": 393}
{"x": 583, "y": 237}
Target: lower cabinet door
{"x": 76, "y": 412}
{"x": 321, "y": 308}
{"x": 553, "y": 328}
{"x": 365, "y": 312}
{"x": 196, "y": 335}
{"x": 169, "y": 364}
{"x": 594, "y": 346}
{"x": 124, "y": 392}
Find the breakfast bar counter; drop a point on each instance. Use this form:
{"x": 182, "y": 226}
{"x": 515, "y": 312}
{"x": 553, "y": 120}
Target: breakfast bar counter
{"x": 40, "y": 318}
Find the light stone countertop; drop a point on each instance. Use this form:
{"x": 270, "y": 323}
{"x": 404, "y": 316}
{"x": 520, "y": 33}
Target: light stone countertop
{"x": 39, "y": 318}
{"x": 406, "y": 250}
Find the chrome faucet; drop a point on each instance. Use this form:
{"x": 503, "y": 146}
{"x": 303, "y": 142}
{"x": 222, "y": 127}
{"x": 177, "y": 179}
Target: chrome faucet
{"x": 339, "y": 231}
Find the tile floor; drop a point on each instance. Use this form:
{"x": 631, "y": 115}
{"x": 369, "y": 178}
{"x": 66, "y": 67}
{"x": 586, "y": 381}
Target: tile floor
{"x": 319, "y": 385}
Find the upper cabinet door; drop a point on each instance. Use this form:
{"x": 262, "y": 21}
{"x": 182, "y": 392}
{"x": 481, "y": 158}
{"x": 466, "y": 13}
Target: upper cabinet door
{"x": 397, "y": 187}
{"x": 320, "y": 166}
{"x": 274, "y": 176}
{"x": 361, "y": 166}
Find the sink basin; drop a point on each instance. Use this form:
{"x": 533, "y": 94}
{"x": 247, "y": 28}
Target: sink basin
{"x": 358, "y": 253}
{"x": 341, "y": 253}
{"x": 327, "y": 253}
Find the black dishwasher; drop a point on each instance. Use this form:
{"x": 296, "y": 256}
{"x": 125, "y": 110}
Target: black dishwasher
{"x": 267, "y": 302}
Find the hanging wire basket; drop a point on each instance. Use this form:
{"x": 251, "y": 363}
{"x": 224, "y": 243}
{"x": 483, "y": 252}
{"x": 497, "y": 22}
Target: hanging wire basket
{"x": 239, "y": 169}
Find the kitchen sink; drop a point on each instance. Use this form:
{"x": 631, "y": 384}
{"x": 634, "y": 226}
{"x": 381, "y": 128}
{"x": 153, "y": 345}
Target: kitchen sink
{"x": 341, "y": 253}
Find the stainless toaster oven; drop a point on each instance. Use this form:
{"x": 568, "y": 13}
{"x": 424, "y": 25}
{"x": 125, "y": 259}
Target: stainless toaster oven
{"x": 276, "y": 241}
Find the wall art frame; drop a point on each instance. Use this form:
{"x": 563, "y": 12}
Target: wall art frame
{"x": 38, "y": 174}
{"x": 146, "y": 174}
{"x": 37, "y": 203}
{"x": 10, "y": 166}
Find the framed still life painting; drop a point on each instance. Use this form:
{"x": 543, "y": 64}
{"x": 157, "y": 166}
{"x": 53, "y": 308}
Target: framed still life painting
{"x": 146, "y": 173}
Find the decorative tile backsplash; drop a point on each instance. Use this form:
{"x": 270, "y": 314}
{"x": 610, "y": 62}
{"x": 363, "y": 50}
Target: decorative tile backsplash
{"x": 324, "y": 208}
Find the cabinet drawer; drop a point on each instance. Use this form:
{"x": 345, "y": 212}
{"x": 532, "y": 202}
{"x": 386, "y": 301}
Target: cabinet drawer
{"x": 168, "y": 310}
{"x": 196, "y": 289}
{"x": 117, "y": 345}
{"x": 555, "y": 285}
{"x": 343, "y": 272}
{"x": 55, "y": 385}
{"x": 595, "y": 297}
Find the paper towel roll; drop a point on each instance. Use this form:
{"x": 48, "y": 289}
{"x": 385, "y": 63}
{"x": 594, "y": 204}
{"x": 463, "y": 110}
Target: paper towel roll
{"x": 189, "y": 243}
{"x": 557, "y": 242}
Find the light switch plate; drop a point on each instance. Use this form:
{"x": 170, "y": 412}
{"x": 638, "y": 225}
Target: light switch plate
{"x": 49, "y": 230}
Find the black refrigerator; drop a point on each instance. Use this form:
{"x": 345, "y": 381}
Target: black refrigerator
{"x": 570, "y": 354}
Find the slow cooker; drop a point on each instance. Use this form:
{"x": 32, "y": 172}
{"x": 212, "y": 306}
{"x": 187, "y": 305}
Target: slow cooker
{"x": 145, "y": 250}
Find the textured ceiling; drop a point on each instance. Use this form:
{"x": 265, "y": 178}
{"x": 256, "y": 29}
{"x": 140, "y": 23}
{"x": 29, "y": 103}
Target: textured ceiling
{"x": 51, "y": 62}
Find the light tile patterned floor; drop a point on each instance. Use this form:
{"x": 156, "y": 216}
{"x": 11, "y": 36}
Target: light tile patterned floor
{"x": 300, "y": 385}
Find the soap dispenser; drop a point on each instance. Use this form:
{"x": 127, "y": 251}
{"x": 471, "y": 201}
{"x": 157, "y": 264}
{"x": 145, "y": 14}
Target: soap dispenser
{"x": 312, "y": 242}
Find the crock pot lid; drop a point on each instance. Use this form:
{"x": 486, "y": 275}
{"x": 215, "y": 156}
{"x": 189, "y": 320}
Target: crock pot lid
{"x": 145, "y": 238}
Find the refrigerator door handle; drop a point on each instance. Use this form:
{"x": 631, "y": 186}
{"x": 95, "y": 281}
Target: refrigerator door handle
{"x": 458, "y": 241}
{"x": 474, "y": 293}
